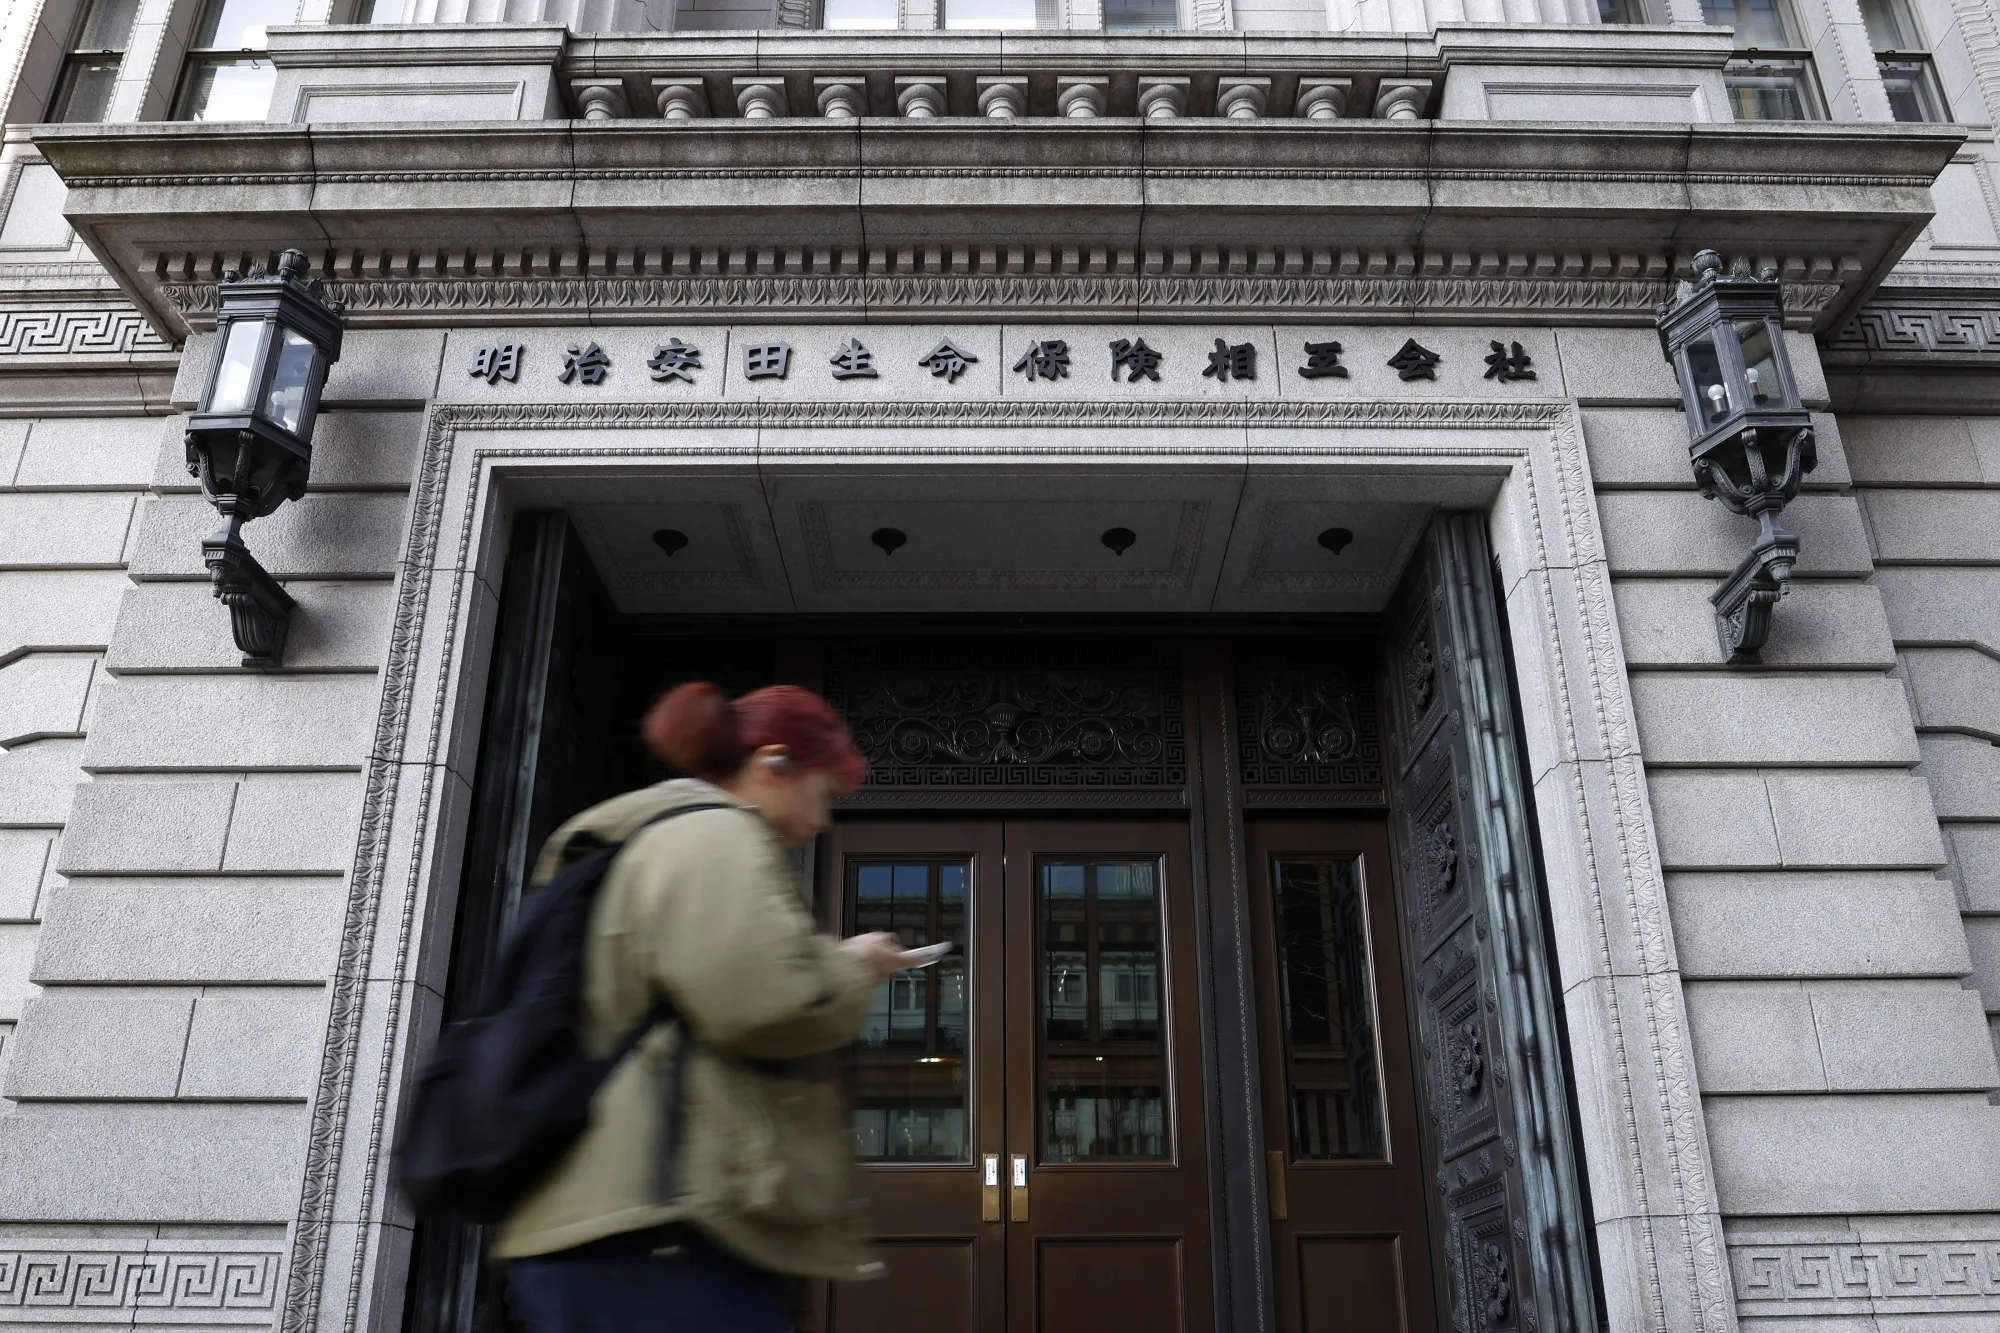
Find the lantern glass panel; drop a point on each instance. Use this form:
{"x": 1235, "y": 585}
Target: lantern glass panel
{"x": 236, "y": 374}
{"x": 1760, "y": 364}
{"x": 291, "y": 384}
{"x": 1710, "y": 399}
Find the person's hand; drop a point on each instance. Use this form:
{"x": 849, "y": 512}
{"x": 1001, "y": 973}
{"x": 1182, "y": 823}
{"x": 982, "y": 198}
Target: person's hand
{"x": 881, "y": 951}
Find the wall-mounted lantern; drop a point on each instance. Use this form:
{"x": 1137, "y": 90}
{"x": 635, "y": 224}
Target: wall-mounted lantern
{"x": 250, "y": 439}
{"x": 1752, "y": 442}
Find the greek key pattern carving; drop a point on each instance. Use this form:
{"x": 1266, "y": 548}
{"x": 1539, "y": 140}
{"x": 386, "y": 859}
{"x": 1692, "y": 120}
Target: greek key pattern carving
{"x": 1885, "y": 1277}
{"x": 1676, "y": 1253}
{"x": 76, "y": 333}
{"x": 1956, "y": 326}
{"x": 36, "y": 1282}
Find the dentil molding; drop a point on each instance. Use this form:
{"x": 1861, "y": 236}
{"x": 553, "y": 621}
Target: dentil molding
{"x": 988, "y": 282}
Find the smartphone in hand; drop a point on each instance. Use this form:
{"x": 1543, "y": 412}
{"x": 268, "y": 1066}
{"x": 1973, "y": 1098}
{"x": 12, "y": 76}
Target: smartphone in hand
{"x": 928, "y": 954}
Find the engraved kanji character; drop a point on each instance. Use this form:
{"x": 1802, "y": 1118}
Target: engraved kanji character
{"x": 1322, "y": 362}
{"x": 1503, "y": 365}
{"x": 1230, "y": 361}
{"x": 673, "y": 360}
{"x": 947, "y": 360}
{"x": 1048, "y": 359}
{"x": 1137, "y": 358}
{"x": 1413, "y": 361}
{"x": 494, "y": 362}
{"x": 766, "y": 361}
{"x": 854, "y": 362}
{"x": 586, "y": 363}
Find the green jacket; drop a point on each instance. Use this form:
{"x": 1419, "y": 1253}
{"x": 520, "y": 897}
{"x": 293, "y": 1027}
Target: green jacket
{"x": 706, "y": 909}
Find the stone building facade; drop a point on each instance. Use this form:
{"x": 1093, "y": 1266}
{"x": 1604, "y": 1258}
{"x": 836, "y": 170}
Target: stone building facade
{"x": 1354, "y": 306}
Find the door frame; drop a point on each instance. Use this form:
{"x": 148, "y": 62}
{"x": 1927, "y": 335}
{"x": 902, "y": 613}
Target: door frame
{"x": 1522, "y": 465}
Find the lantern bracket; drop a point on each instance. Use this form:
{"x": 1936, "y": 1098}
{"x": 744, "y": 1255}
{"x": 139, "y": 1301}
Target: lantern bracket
{"x": 260, "y": 610}
{"x": 1746, "y": 599}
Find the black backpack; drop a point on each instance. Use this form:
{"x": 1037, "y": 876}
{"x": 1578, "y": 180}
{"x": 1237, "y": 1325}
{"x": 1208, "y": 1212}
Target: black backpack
{"x": 506, "y": 1093}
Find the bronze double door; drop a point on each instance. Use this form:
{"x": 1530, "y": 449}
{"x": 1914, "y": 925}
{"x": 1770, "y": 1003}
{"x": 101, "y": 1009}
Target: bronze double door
{"x": 1029, "y": 1113}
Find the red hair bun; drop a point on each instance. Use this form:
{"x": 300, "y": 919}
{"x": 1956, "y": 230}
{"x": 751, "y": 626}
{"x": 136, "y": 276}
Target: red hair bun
{"x": 699, "y": 732}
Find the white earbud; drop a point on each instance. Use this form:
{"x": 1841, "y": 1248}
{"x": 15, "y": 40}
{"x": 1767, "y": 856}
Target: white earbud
{"x": 777, "y": 761}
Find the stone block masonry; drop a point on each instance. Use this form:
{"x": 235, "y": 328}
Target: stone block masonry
{"x": 1930, "y": 487}
{"x": 1825, "y": 922}
{"x": 170, "y": 903}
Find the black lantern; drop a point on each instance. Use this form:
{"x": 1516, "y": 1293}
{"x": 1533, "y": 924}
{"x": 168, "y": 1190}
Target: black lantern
{"x": 250, "y": 440}
{"x": 1752, "y": 442}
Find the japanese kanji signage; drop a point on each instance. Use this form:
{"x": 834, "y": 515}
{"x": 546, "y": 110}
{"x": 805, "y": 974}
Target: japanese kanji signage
{"x": 1130, "y": 360}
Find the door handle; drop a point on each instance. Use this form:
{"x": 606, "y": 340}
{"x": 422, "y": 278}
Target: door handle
{"x": 989, "y": 1188}
{"x": 1018, "y": 1192}
{"x": 1275, "y": 1171}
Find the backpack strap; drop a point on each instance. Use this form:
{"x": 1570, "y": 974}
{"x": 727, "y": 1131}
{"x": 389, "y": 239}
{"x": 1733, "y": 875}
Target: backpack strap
{"x": 664, "y": 1010}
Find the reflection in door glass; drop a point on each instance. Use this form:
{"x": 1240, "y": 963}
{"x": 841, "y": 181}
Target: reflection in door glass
{"x": 1327, "y": 1002}
{"x": 909, "y": 1066}
{"x": 1103, "y": 1049}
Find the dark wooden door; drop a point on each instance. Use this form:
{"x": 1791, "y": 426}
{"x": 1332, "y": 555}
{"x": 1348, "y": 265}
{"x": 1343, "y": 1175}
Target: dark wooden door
{"x": 1350, "y": 1236}
{"x": 927, "y": 1075}
{"x": 1028, "y": 1113}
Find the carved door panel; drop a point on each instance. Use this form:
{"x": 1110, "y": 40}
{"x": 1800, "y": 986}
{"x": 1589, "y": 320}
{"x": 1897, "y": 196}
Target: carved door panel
{"x": 1511, "y": 1225}
{"x": 1028, "y": 1114}
{"x": 1350, "y": 1234}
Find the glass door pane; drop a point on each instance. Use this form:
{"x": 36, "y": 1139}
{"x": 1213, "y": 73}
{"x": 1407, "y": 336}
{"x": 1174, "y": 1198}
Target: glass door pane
{"x": 909, "y": 1066}
{"x": 1103, "y": 1048}
{"x": 1326, "y": 1009}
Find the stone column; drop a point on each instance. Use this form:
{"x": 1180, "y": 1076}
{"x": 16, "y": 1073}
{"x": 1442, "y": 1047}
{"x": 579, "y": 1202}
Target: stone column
{"x": 1242, "y": 99}
{"x": 1163, "y": 99}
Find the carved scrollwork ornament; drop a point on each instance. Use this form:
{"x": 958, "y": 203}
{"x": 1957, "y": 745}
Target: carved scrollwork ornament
{"x": 1419, "y": 676}
{"x": 1106, "y": 719}
{"x": 1493, "y": 1284}
{"x": 1468, "y": 1060}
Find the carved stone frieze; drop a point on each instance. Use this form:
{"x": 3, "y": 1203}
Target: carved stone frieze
{"x": 1925, "y": 1276}
{"x": 76, "y": 333}
{"x": 956, "y": 716}
{"x": 1920, "y": 327}
{"x": 988, "y": 281}
{"x": 63, "y": 1282}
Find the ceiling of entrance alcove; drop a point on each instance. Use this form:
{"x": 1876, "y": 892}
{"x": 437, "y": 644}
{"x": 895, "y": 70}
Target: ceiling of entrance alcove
{"x": 1024, "y": 541}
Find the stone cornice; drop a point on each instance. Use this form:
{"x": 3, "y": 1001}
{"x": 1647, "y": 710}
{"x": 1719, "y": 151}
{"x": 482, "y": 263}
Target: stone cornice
{"x": 948, "y": 218}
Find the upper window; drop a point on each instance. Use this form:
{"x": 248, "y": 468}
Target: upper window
{"x": 1140, "y": 15}
{"x": 977, "y": 14}
{"x": 1773, "y": 79}
{"x": 227, "y": 76}
{"x": 849, "y": 14}
{"x": 83, "y": 93}
{"x": 1903, "y": 56}
{"x": 1620, "y": 11}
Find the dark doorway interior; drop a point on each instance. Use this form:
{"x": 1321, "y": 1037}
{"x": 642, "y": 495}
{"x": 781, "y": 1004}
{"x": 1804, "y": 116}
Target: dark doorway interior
{"x": 1101, "y": 1043}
